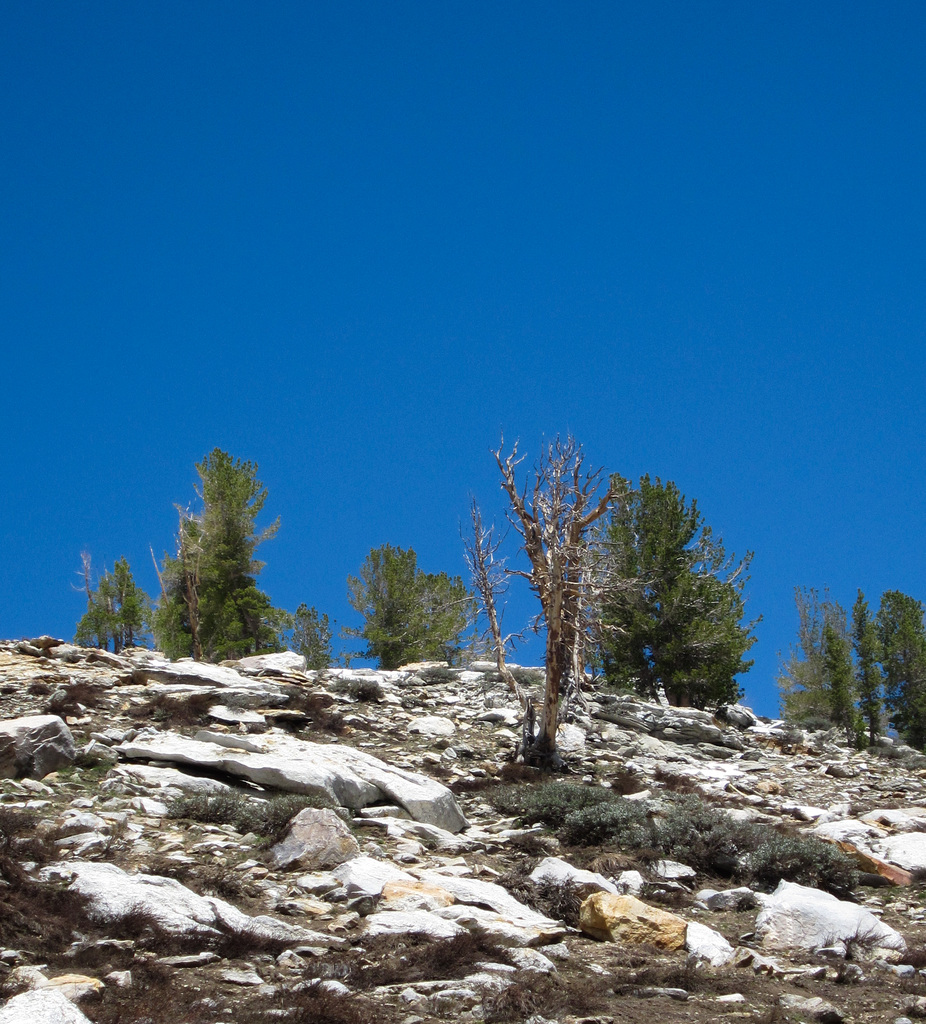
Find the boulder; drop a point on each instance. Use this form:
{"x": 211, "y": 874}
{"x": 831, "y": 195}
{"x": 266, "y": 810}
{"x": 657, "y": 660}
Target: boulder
{"x": 410, "y": 922}
{"x": 366, "y": 876}
{"x": 518, "y": 932}
{"x": 432, "y": 726}
{"x": 559, "y": 872}
{"x": 152, "y": 669}
{"x": 906, "y": 819}
{"x": 680, "y": 725}
{"x": 673, "y": 871}
{"x": 352, "y": 778}
{"x": 280, "y": 663}
{"x": 705, "y": 945}
{"x": 741, "y": 898}
{"x": 874, "y": 865}
{"x": 113, "y": 895}
{"x": 253, "y": 721}
{"x": 629, "y": 920}
{"x": 170, "y": 781}
{"x": 631, "y": 882}
{"x": 570, "y": 739}
{"x": 34, "y": 746}
{"x": 475, "y": 892}
{"x": 812, "y": 1008}
{"x": 907, "y": 851}
{"x": 316, "y": 839}
{"x": 799, "y": 917}
{"x": 400, "y": 895}
{"x": 849, "y": 830}
{"x": 41, "y": 1006}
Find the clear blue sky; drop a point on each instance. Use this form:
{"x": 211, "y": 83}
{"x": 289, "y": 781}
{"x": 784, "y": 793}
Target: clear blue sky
{"x": 355, "y": 243}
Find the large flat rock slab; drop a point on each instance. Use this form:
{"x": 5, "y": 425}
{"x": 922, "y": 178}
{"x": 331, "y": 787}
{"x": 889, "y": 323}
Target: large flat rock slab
{"x": 114, "y": 894}
{"x": 352, "y": 778}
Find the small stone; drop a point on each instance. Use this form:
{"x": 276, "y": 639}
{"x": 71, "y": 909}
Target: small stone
{"x": 652, "y": 991}
{"x": 815, "y": 1008}
{"x": 241, "y": 977}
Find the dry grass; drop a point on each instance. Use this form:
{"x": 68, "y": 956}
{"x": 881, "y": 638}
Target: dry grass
{"x": 174, "y": 712}
{"x": 36, "y": 916}
{"x": 391, "y": 960}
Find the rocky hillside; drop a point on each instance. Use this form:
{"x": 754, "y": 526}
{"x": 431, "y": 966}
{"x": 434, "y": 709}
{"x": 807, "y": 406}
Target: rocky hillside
{"x": 250, "y": 843}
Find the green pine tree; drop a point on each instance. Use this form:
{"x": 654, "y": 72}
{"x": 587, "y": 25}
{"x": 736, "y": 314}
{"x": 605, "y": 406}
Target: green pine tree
{"x": 409, "y": 615}
{"x": 805, "y": 677}
{"x": 118, "y": 611}
{"x": 868, "y": 678}
{"x": 210, "y": 605}
{"x": 902, "y": 636}
{"x": 312, "y": 636}
{"x": 679, "y": 631}
{"x": 840, "y": 678}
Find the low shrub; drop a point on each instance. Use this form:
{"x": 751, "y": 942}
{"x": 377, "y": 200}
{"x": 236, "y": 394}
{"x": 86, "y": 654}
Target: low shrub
{"x": 549, "y": 804}
{"x": 365, "y": 689}
{"x": 801, "y": 859}
{"x": 703, "y": 837}
{"x": 623, "y": 822}
{"x": 687, "y": 829}
{"x": 267, "y": 818}
{"x": 404, "y": 959}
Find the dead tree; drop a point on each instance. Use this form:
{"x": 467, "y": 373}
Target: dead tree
{"x": 554, "y": 522}
{"x": 488, "y": 574}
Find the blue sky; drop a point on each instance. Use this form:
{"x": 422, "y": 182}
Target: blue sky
{"x": 356, "y": 243}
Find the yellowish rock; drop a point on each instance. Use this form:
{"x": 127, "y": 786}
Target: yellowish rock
{"x": 627, "y": 919}
{"x": 77, "y": 987}
{"x": 402, "y": 895}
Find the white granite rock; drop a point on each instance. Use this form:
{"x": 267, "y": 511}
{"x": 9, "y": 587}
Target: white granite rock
{"x": 345, "y": 775}
{"x": 35, "y": 745}
{"x": 707, "y": 945}
{"x": 432, "y": 726}
{"x": 560, "y": 872}
{"x": 410, "y": 922}
{"x": 41, "y": 1006}
{"x": 366, "y": 876}
{"x": 278, "y": 663}
{"x": 114, "y": 894}
{"x": 799, "y": 917}
{"x": 315, "y": 839}
{"x": 907, "y": 850}
{"x": 505, "y": 930}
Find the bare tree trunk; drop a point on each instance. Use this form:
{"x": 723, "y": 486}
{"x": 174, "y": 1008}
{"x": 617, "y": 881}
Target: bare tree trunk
{"x": 553, "y": 524}
{"x": 489, "y": 582}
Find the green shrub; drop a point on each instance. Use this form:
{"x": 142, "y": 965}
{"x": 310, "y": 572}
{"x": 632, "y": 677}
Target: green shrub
{"x": 801, "y": 859}
{"x": 549, "y": 804}
{"x": 267, "y": 818}
{"x": 704, "y": 837}
{"x": 623, "y": 822}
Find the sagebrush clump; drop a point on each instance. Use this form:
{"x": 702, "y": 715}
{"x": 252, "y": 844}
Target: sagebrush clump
{"x": 681, "y": 827}
{"x": 267, "y": 818}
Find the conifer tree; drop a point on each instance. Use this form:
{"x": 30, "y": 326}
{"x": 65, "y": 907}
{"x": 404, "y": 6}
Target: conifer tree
{"x": 810, "y": 694}
{"x": 312, "y": 635}
{"x": 409, "y": 615}
{"x": 210, "y": 606}
{"x": 840, "y": 680}
{"x": 902, "y": 637}
{"x": 680, "y": 631}
{"x": 118, "y": 610}
{"x": 868, "y": 679}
